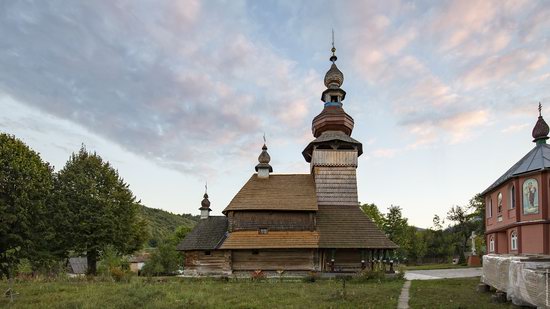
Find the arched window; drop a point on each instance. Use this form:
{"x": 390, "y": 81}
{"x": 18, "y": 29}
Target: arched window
{"x": 530, "y": 196}
{"x": 514, "y": 241}
{"x": 499, "y": 202}
{"x": 492, "y": 244}
{"x": 512, "y": 197}
{"x": 489, "y": 208}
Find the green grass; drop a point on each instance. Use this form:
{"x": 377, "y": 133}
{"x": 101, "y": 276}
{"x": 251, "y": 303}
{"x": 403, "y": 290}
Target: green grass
{"x": 450, "y": 293}
{"x": 181, "y": 293}
{"x": 435, "y": 266}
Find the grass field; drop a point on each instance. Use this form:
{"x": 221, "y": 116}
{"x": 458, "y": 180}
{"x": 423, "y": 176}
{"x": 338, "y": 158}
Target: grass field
{"x": 180, "y": 293}
{"x": 450, "y": 293}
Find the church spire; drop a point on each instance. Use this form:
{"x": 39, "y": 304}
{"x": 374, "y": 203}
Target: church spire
{"x": 333, "y": 117}
{"x": 541, "y": 129}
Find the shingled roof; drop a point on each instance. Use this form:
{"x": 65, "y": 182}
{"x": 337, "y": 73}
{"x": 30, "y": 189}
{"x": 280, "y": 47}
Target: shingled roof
{"x": 278, "y": 192}
{"x": 208, "y": 234}
{"x": 271, "y": 240}
{"x": 535, "y": 160}
{"x": 349, "y": 227}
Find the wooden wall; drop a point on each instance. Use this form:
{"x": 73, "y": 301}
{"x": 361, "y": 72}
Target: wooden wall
{"x": 283, "y": 259}
{"x": 273, "y": 220}
{"x": 336, "y": 186}
{"x": 198, "y": 263}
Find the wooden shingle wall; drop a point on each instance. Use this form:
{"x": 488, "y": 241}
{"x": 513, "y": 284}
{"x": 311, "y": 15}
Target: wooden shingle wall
{"x": 336, "y": 186}
{"x": 330, "y": 157}
{"x": 274, "y": 221}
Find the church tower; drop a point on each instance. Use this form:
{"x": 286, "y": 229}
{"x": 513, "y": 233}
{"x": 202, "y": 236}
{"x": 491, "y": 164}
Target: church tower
{"x": 333, "y": 154}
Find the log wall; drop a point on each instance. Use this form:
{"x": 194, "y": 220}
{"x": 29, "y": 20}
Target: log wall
{"x": 199, "y": 263}
{"x": 284, "y": 259}
{"x": 274, "y": 221}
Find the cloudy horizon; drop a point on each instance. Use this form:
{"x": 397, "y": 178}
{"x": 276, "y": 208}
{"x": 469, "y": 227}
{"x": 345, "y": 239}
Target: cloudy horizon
{"x": 177, "y": 93}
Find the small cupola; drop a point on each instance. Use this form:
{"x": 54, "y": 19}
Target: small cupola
{"x": 205, "y": 207}
{"x": 263, "y": 168}
{"x": 541, "y": 129}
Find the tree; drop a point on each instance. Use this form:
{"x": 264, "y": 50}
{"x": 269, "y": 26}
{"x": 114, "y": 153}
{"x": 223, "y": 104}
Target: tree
{"x": 100, "y": 206}
{"x": 397, "y": 229}
{"x": 371, "y": 210}
{"x": 166, "y": 259}
{"x": 25, "y": 186}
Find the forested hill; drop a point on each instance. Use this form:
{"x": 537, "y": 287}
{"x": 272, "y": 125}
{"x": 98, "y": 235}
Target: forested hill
{"x": 163, "y": 223}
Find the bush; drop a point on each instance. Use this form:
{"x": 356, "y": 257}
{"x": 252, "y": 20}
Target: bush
{"x": 400, "y": 274}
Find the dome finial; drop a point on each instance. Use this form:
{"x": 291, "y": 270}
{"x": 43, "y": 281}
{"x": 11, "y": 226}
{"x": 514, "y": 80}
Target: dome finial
{"x": 541, "y": 129}
{"x": 333, "y": 58}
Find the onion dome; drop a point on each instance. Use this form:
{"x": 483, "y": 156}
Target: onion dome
{"x": 334, "y": 77}
{"x": 264, "y": 160}
{"x": 205, "y": 204}
{"x": 541, "y": 129}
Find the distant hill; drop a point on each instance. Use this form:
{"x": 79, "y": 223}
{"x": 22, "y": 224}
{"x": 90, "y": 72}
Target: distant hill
{"x": 163, "y": 223}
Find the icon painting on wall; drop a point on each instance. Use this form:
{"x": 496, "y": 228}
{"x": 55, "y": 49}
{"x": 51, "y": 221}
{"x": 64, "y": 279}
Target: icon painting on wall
{"x": 530, "y": 197}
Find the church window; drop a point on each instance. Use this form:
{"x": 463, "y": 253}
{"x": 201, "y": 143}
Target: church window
{"x": 512, "y": 197}
{"x": 499, "y": 202}
{"x": 492, "y": 244}
{"x": 514, "y": 241}
{"x": 489, "y": 208}
{"x": 207, "y": 253}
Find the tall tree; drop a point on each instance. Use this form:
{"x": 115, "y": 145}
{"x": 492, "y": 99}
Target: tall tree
{"x": 397, "y": 229}
{"x": 371, "y": 210}
{"x": 100, "y": 206}
{"x": 25, "y": 186}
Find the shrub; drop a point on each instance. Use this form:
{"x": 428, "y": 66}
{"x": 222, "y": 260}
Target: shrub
{"x": 400, "y": 274}
{"x": 117, "y": 274}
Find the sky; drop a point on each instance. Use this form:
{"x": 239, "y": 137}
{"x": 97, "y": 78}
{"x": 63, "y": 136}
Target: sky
{"x": 179, "y": 93}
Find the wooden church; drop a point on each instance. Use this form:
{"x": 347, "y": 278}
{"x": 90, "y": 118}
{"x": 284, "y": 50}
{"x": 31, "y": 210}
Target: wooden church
{"x": 295, "y": 222}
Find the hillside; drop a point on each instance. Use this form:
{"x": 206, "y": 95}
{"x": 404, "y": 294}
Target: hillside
{"x": 163, "y": 223}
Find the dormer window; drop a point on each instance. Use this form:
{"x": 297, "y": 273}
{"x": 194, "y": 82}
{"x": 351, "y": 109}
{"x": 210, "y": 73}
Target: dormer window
{"x": 263, "y": 230}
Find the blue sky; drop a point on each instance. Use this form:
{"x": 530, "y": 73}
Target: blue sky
{"x": 177, "y": 93}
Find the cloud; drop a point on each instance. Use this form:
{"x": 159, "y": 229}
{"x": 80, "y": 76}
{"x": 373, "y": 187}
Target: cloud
{"x": 160, "y": 79}
{"x": 384, "y": 152}
{"x": 518, "y": 64}
{"x": 514, "y": 128}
